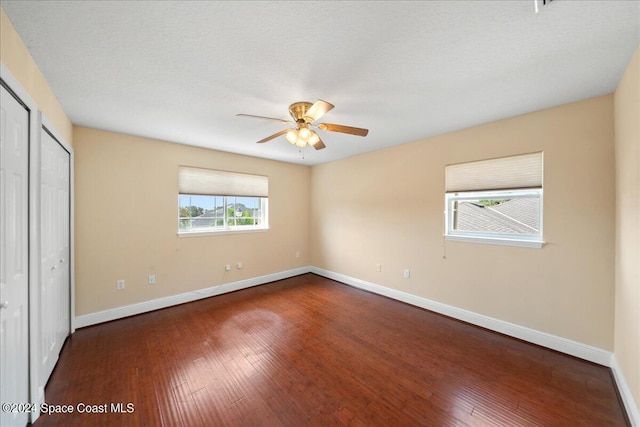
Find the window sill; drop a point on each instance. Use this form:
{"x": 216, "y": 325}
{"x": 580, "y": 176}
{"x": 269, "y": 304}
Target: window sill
{"x": 220, "y": 232}
{"x": 497, "y": 241}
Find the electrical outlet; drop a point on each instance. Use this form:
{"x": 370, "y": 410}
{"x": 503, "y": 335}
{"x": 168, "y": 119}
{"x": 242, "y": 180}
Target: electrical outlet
{"x": 227, "y": 267}
{"x": 378, "y": 268}
{"x": 297, "y": 254}
{"x": 407, "y": 273}
{"x": 152, "y": 279}
{"x": 120, "y": 284}
{"x": 239, "y": 265}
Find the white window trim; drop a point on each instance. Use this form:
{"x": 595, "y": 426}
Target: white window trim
{"x": 492, "y": 238}
{"x": 200, "y": 233}
{"x": 204, "y": 231}
{"x": 496, "y": 241}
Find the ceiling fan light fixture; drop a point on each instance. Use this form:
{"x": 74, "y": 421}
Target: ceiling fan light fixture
{"x": 314, "y": 138}
{"x": 292, "y": 135}
{"x": 302, "y": 137}
{"x": 304, "y": 133}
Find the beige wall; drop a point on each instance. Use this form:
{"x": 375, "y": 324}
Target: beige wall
{"x": 126, "y": 221}
{"x": 386, "y": 207}
{"x": 15, "y": 56}
{"x": 627, "y": 246}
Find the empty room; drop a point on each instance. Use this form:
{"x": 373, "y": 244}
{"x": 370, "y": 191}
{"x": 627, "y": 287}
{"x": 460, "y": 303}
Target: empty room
{"x": 327, "y": 213}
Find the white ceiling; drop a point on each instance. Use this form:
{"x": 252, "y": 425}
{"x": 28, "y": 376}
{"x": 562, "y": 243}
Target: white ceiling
{"x": 180, "y": 71}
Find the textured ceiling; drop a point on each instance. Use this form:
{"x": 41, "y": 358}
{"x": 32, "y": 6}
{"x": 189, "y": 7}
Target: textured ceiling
{"x": 181, "y": 71}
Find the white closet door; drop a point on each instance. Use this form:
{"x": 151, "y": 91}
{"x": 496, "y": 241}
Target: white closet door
{"x": 14, "y": 266}
{"x": 55, "y": 283}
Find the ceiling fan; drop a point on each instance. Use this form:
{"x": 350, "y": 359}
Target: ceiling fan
{"x": 304, "y": 115}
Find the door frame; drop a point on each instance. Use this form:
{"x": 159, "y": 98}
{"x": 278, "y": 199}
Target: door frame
{"x": 36, "y": 122}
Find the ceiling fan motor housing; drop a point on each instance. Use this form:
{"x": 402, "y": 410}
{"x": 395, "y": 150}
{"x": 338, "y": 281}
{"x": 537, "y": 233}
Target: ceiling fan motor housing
{"x": 298, "y": 111}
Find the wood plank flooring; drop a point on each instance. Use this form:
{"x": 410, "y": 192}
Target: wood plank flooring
{"x": 308, "y": 351}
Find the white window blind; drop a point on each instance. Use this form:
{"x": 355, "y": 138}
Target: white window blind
{"x": 211, "y": 182}
{"x": 522, "y": 171}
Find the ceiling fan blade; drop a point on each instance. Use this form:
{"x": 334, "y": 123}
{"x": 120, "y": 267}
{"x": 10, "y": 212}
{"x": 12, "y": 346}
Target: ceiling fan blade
{"x": 275, "y": 135}
{"x": 264, "y": 118}
{"x": 319, "y": 145}
{"x": 344, "y": 129}
{"x": 317, "y": 110}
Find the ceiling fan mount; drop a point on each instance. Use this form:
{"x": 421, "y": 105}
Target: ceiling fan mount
{"x": 304, "y": 115}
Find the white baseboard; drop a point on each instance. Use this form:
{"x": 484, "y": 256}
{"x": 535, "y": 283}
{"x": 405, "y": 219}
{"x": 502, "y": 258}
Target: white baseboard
{"x": 544, "y": 339}
{"x": 146, "y": 306}
{"x": 625, "y": 393}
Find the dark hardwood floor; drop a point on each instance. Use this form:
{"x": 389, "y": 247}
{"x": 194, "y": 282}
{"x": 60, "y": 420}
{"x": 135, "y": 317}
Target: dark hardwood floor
{"x": 308, "y": 351}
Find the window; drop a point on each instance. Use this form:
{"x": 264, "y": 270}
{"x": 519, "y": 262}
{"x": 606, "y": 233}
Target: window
{"x": 215, "y": 201}
{"x": 495, "y": 201}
